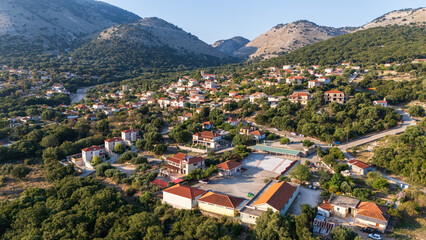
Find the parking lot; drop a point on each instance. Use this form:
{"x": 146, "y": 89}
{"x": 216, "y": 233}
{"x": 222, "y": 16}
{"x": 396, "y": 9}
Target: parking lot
{"x": 306, "y": 196}
{"x": 237, "y": 186}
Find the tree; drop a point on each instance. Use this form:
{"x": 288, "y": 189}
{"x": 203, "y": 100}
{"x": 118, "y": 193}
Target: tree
{"x": 416, "y": 111}
{"x": 284, "y": 141}
{"x": 307, "y": 143}
{"x": 380, "y": 184}
{"x": 160, "y": 149}
{"x": 140, "y": 144}
{"x": 301, "y": 172}
{"x": 342, "y": 233}
{"x": 119, "y": 148}
{"x": 96, "y": 160}
{"x": 20, "y": 171}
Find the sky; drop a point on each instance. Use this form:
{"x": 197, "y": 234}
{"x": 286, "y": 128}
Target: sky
{"x": 212, "y": 20}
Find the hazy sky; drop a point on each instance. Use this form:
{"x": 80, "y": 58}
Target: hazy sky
{"x": 213, "y": 20}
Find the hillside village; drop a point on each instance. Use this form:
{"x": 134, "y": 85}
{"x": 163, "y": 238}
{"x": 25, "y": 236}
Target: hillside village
{"x": 114, "y": 126}
{"x": 260, "y": 167}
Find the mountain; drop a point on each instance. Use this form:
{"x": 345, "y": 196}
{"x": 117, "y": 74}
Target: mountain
{"x": 399, "y": 17}
{"x": 286, "y": 38}
{"x": 229, "y": 46}
{"x": 147, "y": 43}
{"x": 375, "y": 45}
{"x": 44, "y": 25}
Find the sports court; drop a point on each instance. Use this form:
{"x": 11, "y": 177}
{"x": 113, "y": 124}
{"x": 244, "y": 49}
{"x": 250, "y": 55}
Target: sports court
{"x": 267, "y": 165}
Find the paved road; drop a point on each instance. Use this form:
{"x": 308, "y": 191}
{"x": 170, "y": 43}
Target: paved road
{"x": 408, "y": 121}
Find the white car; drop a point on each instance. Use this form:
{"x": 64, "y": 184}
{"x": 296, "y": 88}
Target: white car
{"x": 374, "y": 236}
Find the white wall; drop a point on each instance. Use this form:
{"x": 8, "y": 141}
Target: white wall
{"x": 177, "y": 201}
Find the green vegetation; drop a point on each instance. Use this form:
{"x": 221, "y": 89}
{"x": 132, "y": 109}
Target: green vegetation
{"x": 416, "y": 111}
{"x": 367, "y": 47}
{"x": 355, "y": 118}
{"x": 272, "y": 225}
{"x": 301, "y": 172}
{"x": 81, "y": 208}
{"x": 404, "y": 155}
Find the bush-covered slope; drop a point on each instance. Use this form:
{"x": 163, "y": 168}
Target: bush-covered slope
{"x": 376, "y": 45}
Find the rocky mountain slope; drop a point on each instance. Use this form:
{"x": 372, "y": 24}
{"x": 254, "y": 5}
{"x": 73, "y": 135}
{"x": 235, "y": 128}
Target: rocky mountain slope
{"x": 399, "y": 17}
{"x": 286, "y": 38}
{"x": 147, "y": 43}
{"x": 229, "y": 46}
{"x": 54, "y": 24}
{"x": 155, "y": 32}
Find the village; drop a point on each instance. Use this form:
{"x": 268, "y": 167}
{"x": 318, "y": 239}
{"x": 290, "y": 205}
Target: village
{"x": 257, "y": 175}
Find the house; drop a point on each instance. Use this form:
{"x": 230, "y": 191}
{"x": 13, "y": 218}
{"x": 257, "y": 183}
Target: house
{"x": 207, "y": 76}
{"x": 210, "y": 84}
{"x": 334, "y": 96}
{"x": 328, "y": 70}
{"x": 383, "y": 103}
{"x": 360, "y": 167}
{"x": 98, "y": 106}
{"x": 185, "y": 117}
{"x": 256, "y": 96}
{"x": 275, "y": 195}
{"x": 207, "y": 138}
{"x": 233, "y": 121}
{"x": 207, "y": 125}
{"x": 325, "y": 209}
{"x": 233, "y": 94}
{"x": 183, "y": 163}
{"x": 220, "y": 204}
{"x": 164, "y": 102}
{"x": 258, "y": 135}
{"x": 324, "y": 80}
{"x": 314, "y": 83}
{"x": 182, "y": 196}
{"x": 130, "y": 135}
{"x": 372, "y": 215}
{"x": 229, "y": 168}
{"x": 90, "y": 152}
{"x": 295, "y": 80}
{"x": 112, "y": 142}
{"x": 300, "y": 97}
{"x": 342, "y": 206}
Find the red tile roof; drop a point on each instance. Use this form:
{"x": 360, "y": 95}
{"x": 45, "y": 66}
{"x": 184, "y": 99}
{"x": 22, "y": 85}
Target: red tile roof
{"x": 221, "y": 200}
{"x": 229, "y": 165}
{"x": 277, "y": 195}
{"x": 116, "y": 139}
{"x": 326, "y": 206}
{"x": 185, "y": 191}
{"x": 207, "y": 134}
{"x": 257, "y": 132}
{"x": 333, "y": 91}
{"x": 160, "y": 183}
{"x": 372, "y": 210}
{"x": 129, "y": 131}
{"x": 92, "y": 148}
{"x": 358, "y": 164}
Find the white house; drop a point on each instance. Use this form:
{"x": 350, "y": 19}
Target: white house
{"x": 90, "y": 152}
{"x": 112, "y": 142}
{"x": 130, "y": 135}
{"x": 183, "y": 163}
{"x": 182, "y": 196}
{"x": 229, "y": 168}
{"x": 207, "y": 138}
{"x": 383, "y": 103}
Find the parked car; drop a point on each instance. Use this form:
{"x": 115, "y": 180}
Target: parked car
{"x": 374, "y": 236}
{"x": 206, "y": 181}
{"x": 368, "y": 230}
{"x": 250, "y": 195}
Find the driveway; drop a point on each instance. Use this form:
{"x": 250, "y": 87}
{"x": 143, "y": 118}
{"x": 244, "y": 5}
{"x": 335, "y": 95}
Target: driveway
{"x": 306, "y": 196}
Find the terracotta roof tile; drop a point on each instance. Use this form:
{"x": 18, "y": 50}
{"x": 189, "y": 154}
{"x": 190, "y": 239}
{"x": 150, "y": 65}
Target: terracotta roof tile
{"x": 277, "y": 195}
{"x": 185, "y": 191}
{"x": 372, "y": 210}
{"x": 221, "y": 200}
{"x": 229, "y": 165}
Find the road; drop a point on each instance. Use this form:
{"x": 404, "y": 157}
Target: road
{"x": 408, "y": 121}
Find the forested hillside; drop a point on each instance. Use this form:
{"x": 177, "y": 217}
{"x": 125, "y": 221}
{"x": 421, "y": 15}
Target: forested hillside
{"x": 371, "y": 46}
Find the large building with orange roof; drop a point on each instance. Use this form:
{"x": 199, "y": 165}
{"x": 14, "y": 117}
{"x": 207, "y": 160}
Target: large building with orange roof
{"x": 275, "y": 195}
{"x": 220, "y": 204}
{"x": 372, "y": 215}
{"x": 182, "y": 196}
